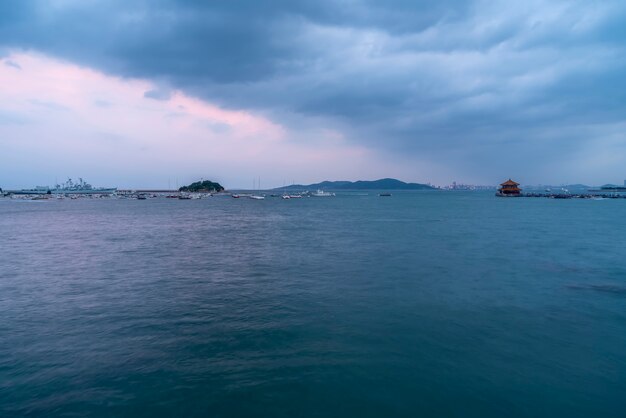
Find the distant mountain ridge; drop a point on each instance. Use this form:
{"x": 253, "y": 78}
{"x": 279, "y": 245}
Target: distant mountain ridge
{"x": 382, "y": 184}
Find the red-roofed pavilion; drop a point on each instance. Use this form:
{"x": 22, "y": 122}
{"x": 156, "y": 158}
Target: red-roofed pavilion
{"x": 509, "y": 188}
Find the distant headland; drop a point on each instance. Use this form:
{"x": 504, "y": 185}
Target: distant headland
{"x": 382, "y": 184}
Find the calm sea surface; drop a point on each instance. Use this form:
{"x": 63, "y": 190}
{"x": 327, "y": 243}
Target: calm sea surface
{"x": 425, "y": 304}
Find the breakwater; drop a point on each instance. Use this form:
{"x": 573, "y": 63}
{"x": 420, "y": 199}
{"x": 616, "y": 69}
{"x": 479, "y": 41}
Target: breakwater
{"x": 575, "y": 195}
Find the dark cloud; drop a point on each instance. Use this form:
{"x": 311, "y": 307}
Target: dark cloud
{"x": 158, "y": 94}
{"x": 12, "y": 64}
{"x": 233, "y": 41}
{"x": 454, "y": 81}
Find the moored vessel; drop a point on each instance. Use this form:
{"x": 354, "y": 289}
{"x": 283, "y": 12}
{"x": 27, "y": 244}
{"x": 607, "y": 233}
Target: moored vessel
{"x": 70, "y": 187}
{"x": 321, "y": 193}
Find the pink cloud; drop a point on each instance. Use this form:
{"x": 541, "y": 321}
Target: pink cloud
{"x": 77, "y": 119}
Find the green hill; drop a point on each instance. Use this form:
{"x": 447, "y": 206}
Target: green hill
{"x": 382, "y": 184}
{"x": 205, "y": 186}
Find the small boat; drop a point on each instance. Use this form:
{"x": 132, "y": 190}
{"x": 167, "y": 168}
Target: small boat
{"x": 256, "y": 189}
{"x": 141, "y": 197}
{"x": 384, "y": 194}
{"x": 321, "y": 193}
{"x": 236, "y": 196}
{"x": 184, "y": 197}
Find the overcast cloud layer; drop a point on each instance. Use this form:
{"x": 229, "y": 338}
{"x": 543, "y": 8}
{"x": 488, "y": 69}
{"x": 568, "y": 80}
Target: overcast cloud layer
{"x": 476, "y": 91}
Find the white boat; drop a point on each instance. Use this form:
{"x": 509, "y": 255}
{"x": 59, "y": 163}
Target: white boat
{"x": 254, "y": 188}
{"x": 321, "y": 193}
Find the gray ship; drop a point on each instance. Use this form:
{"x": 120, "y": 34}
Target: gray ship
{"x": 70, "y": 187}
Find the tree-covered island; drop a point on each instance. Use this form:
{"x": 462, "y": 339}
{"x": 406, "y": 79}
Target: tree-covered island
{"x": 205, "y": 186}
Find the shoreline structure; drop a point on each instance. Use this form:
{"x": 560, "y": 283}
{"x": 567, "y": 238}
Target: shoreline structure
{"x": 202, "y": 188}
{"x": 511, "y": 188}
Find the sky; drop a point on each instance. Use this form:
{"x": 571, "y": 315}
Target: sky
{"x": 138, "y": 93}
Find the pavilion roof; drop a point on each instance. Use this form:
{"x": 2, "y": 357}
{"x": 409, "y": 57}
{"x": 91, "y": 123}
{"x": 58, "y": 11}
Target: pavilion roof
{"x": 509, "y": 182}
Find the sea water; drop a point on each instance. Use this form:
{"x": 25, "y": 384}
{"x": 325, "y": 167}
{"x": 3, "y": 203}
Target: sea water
{"x": 429, "y": 304}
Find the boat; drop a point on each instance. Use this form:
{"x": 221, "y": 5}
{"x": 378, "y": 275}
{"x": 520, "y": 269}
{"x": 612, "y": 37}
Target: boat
{"x": 70, "y": 187}
{"x": 291, "y": 196}
{"x": 321, "y": 193}
{"x": 235, "y": 196}
{"x": 384, "y": 194}
{"x": 256, "y": 196}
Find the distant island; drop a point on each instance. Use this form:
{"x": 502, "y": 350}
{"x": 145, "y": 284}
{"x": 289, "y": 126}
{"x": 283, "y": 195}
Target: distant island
{"x": 205, "y": 186}
{"x": 382, "y": 184}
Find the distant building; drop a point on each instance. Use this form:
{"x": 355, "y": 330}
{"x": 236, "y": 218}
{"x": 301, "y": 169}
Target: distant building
{"x": 509, "y": 189}
{"x": 460, "y": 186}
